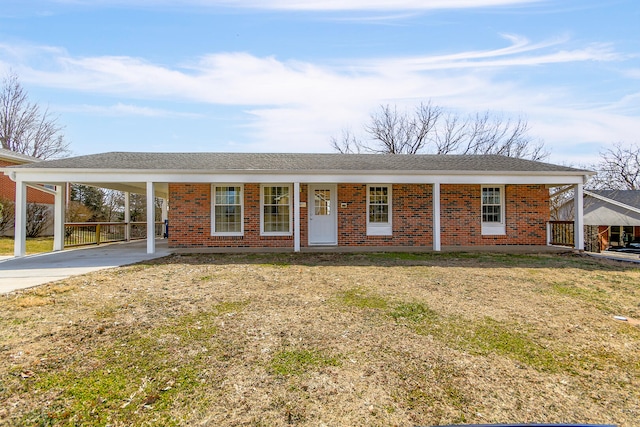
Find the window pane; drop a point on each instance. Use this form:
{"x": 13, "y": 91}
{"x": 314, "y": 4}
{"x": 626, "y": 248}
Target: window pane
{"x": 322, "y": 201}
{"x": 378, "y": 213}
{"x": 491, "y": 204}
{"x": 228, "y": 219}
{"x": 276, "y": 196}
{"x": 378, "y": 204}
{"x": 378, "y": 195}
{"x": 491, "y": 213}
{"x": 228, "y": 209}
{"x": 276, "y": 213}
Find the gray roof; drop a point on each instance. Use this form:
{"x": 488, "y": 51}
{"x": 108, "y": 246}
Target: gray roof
{"x": 290, "y": 162}
{"x": 602, "y": 212}
{"x": 628, "y": 197}
{"x": 17, "y": 157}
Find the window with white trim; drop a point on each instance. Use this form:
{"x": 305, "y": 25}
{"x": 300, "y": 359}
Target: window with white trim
{"x": 275, "y": 210}
{"x": 227, "y": 210}
{"x": 493, "y": 210}
{"x": 379, "y": 210}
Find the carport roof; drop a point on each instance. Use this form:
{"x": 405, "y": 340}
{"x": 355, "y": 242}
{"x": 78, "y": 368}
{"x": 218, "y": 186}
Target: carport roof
{"x": 291, "y": 162}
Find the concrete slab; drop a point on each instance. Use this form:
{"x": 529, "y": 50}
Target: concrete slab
{"x": 33, "y": 270}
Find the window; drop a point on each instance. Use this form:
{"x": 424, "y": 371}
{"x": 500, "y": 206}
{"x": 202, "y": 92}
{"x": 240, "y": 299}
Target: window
{"x": 276, "y": 210}
{"x": 227, "y": 210}
{"x": 322, "y": 202}
{"x": 493, "y": 210}
{"x": 379, "y": 210}
{"x": 621, "y": 235}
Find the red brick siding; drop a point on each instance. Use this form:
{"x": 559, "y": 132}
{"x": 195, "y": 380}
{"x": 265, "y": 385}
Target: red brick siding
{"x": 527, "y": 210}
{"x": 8, "y": 188}
{"x": 190, "y": 220}
{"x": 526, "y": 214}
{"x": 412, "y": 217}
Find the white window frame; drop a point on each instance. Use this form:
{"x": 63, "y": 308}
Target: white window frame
{"x": 291, "y": 213}
{"x": 497, "y": 228}
{"x": 213, "y": 210}
{"x": 380, "y": 228}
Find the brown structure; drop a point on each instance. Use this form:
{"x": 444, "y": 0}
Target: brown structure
{"x": 8, "y": 187}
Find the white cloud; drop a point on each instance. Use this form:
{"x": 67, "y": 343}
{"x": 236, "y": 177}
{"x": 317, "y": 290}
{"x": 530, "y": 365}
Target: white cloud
{"x": 315, "y": 5}
{"x": 298, "y": 106}
{"x": 127, "y": 110}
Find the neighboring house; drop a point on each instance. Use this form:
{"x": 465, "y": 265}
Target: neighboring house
{"x": 8, "y": 187}
{"x": 243, "y": 201}
{"x": 616, "y": 213}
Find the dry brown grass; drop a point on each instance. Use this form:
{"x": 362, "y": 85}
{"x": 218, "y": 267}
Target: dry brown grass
{"x": 316, "y": 339}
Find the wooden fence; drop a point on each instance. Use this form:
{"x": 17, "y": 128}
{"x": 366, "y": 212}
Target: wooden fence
{"x": 561, "y": 233}
{"x": 94, "y": 233}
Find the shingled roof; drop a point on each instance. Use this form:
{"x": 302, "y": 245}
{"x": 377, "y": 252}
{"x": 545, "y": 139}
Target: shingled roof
{"x": 627, "y": 197}
{"x": 289, "y": 162}
{"x": 16, "y": 157}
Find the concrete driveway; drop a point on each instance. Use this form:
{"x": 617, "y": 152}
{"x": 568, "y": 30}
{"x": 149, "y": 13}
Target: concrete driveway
{"x": 33, "y": 270}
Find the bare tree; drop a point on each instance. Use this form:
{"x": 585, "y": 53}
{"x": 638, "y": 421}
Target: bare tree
{"x": 398, "y": 133}
{"x": 38, "y": 219}
{"x": 347, "y": 144}
{"x": 619, "y": 168}
{"x": 24, "y": 127}
{"x": 430, "y": 130}
{"x": 7, "y": 214}
{"x": 489, "y": 133}
{"x": 113, "y": 205}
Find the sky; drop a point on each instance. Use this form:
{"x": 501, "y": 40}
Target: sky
{"x": 288, "y": 75}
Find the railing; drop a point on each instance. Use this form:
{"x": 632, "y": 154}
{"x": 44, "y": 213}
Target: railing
{"x": 561, "y": 233}
{"x": 94, "y": 233}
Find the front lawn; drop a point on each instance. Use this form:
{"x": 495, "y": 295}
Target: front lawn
{"x": 34, "y": 245}
{"x": 318, "y": 339}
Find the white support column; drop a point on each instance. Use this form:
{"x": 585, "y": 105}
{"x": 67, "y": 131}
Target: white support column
{"x": 20, "y": 231}
{"x": 296, "y": 217}
{"x": 436, "y": 217}
{"x": 151, "y": 219}
{"x": 60, "y": 201}
{"x": 127, "y": 216}
{"x": 578, "y": 231}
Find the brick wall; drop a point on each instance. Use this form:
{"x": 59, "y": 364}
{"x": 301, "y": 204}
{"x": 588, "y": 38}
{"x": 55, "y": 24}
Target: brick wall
{"x": 190, "y": 220}
{"x": 526, "y": 214}
{"x": 527, "y": 210}
{"x": 8, "y": 188}
{"x": 412, "y": 217}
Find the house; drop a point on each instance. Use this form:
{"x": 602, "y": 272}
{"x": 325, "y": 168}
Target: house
{"x": 616, "y": 214}
{"x": 298, "y": 202}
{"x": 36, "y": 194}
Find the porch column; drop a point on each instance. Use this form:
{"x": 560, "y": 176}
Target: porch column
{"x": 436, "y": 217}
{"x": 20, "y": 227}
{"x": 296, "y": 217}
{"x": 127, "y": 216}
{"x": 578, "y": 224}
{"x": 151, "y": 219}
{"x": 58, "y": 217}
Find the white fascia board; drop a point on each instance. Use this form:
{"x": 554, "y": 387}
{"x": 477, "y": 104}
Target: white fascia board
{"x": 368, "y": 177}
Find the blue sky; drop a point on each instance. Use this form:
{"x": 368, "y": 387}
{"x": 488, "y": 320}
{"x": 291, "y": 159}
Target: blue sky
{"x": 287, "y": 75}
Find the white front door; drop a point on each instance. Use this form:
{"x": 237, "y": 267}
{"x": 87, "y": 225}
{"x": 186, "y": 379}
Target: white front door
{"x": 323, "y": 214}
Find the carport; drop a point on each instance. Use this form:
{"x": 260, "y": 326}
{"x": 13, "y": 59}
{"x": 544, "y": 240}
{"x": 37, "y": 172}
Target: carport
{"x": 57, "y": 180}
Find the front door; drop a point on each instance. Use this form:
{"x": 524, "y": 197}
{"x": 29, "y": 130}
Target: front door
{"x": 323, "y": 223}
